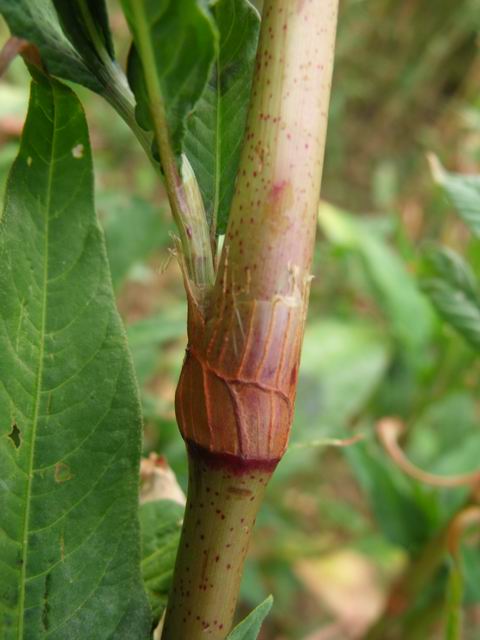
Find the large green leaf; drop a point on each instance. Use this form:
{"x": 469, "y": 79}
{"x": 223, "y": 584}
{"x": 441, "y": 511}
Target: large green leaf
{"x": 37, "y": 22}
{"x": 75, "y": 44}
{"x": 215, "y": 130}
{"x": 70, "y": 425}
{"x": 169, "y": 65}
{"x": 249, "y": 628}
{"x": 454, "y": 292}
{"x": 161, "y": 524}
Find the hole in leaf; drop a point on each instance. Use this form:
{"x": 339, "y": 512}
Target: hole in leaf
{"x": 14, "y": 436}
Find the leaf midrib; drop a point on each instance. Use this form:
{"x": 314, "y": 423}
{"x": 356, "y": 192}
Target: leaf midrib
{"x": 39, "y": 379}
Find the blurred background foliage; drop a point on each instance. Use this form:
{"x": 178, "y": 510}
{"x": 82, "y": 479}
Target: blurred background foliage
{"x": 350, "y": 546}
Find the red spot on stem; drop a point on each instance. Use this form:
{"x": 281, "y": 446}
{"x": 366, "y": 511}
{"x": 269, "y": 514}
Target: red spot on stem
{"x": 278, "y": 189}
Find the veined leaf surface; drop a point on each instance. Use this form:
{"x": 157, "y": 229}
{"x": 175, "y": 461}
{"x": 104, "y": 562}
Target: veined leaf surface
{"x": 69, "y": 415}
{"x": 454, "y": 292}
{"x": 215, "y": 130}
{"x": 74, "y": 40}
{"x": 37, "y": 22}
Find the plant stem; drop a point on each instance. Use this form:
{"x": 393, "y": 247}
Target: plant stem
{"x": 273, "y": 219}
{"x": 188, "y": 213}
{"x": 223, "y": 501}
{"x": 237, "y": 388}
{"x": 195, "y": 250}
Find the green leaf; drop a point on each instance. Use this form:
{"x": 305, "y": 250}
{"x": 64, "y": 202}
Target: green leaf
{"x": 75, "y": 44}
{"x": 161, "y": 524}
{"x": 454, "y": 292}
{"x": 464, "y": 193}
{"x": 70, "y": 425}
{"x": 37, "y": 22}
{"x": 215, "y": 130}
{"x": 249, "y": 628}
{"x": 450, "y": 266}
{"x": 7, "y": 156}
{"x": 86, "y": 24}
{"x": 169, "y": 65}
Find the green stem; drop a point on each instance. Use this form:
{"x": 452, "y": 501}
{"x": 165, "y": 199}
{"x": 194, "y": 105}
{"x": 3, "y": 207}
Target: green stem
{"x": 124, "y": 104}
{"x": 223, "y": 501}
{"x": 116, "y": 89}
{"x": 200, "y": 268}
{"x": 195, "y": 239}
{"x": 188, "y": 213}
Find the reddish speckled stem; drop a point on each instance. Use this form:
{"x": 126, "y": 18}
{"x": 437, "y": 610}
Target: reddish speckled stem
{"x": 222, "y": 505}
{"x": 274, "y": 212}
{"x": 237, "y": 388}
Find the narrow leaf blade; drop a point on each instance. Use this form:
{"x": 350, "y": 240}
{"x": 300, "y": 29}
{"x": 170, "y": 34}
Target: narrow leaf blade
{"x": 250, "y": 627}
{"x": 70, "y": 423}
{"x": 215, "y": 130}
